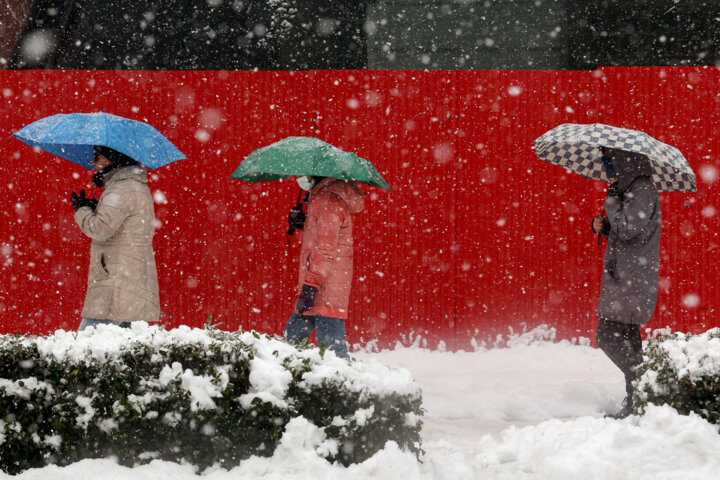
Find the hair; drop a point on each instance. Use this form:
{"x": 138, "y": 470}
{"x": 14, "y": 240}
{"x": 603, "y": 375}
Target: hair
{"x": 116, "y": 158}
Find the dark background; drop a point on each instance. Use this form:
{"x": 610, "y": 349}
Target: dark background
{"x": 357, "y": 34}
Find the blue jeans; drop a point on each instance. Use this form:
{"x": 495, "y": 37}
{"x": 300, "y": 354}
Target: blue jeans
{"x": 94, "y": 322}
{"x": 330, "y": 331}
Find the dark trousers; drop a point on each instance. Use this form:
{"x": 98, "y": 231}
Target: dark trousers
{"x": 94, "y": 322}
{"x": 621, "y": 342}
{"x": 329, "y": 331}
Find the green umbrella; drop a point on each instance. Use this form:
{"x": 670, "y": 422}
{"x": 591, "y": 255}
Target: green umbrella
{"x": 298, "y": 156}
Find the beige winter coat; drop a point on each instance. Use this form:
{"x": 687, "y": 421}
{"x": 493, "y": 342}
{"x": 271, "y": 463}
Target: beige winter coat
{"x": 122, "y": 278}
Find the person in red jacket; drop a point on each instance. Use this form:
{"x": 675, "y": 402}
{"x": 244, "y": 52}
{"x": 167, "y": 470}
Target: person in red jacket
{"x": 326, "y": 262}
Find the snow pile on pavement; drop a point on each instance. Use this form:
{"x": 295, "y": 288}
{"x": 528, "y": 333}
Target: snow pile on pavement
{"x": 659, "y": 444}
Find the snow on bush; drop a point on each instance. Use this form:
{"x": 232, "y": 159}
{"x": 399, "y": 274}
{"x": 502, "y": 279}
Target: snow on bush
{"x": 683, "y": 371}
{"x": 203, "y": 396}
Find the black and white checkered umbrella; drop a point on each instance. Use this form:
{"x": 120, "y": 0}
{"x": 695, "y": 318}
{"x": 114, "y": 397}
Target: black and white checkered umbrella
{"x": 576, "y": 147}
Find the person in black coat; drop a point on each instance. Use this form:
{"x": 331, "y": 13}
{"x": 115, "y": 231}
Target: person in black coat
{"x": 631, "y": 266}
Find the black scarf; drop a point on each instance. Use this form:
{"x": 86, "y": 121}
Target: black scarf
{"x": 98, "y": 178}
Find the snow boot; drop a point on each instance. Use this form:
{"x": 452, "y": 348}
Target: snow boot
{"x": 625, "y": 411}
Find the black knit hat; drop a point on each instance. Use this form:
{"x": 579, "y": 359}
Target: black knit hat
{"x": 115, "y": 157}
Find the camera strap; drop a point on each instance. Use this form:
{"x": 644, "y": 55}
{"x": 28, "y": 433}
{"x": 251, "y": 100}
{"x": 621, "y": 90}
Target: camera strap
{"x": 296, "y": 218}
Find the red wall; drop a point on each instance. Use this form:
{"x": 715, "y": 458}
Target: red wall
{"x": 477, "y": 236}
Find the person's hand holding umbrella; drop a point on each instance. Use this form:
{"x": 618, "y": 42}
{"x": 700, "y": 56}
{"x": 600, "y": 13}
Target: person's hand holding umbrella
{"x": 79, "y": 201}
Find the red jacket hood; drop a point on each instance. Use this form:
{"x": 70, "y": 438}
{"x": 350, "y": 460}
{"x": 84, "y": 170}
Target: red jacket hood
{"x": 348, "y": 191}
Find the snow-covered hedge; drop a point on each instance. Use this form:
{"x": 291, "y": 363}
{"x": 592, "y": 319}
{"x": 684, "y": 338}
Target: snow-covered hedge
{"x": 683, "y": 371}
{"x": 203, "y": 396}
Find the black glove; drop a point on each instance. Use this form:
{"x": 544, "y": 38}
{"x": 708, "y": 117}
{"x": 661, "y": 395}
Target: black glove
{"x": 79, "y": 201}
{"x": 613, "y": 190}
{"x": 306, "y": 299}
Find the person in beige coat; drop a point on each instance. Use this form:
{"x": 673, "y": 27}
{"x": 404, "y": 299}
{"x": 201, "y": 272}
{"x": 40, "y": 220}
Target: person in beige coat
{"x": 122, "y": 277}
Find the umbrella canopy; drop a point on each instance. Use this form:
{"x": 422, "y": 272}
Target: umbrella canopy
{"x": 298, "y": 156}
{"x": 576, "y": 147}
{"x": 72, "y": 137}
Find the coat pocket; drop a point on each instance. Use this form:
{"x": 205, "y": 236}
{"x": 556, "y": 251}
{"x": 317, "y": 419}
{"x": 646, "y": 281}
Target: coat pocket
{"x": 102, "y": 263}
{"x": 98, "y": 266}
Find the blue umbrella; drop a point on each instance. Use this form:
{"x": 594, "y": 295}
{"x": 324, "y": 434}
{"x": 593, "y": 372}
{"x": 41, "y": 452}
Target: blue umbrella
{"x": 72, "y": 137}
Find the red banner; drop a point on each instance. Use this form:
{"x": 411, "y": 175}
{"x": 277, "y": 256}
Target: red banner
{"x": 477, "y": 238}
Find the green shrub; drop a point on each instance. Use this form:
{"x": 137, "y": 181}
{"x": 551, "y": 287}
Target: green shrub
{"x": 683, "y": 371}
{"x": 204, "y": 396}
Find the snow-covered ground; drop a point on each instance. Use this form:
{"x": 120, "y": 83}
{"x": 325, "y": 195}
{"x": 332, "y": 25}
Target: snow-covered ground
{"x": 526, "y": 412}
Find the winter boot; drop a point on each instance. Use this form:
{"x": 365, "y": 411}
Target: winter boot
{"x": 624, "y": 412}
